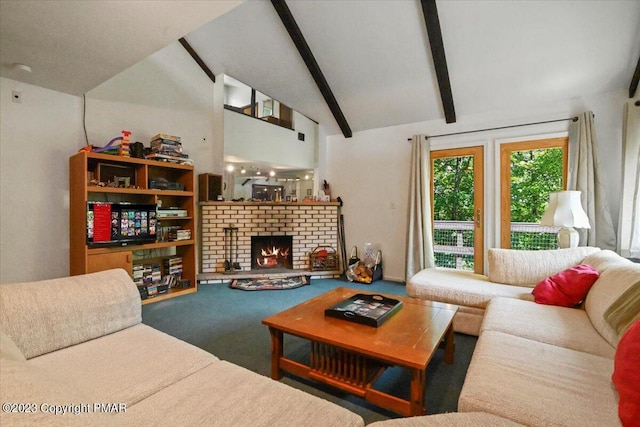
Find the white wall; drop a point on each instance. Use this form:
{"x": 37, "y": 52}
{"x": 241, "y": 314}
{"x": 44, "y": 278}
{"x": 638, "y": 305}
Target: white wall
{"x": 37, "y": 137}
{"x": 370, "y": 171}
{"x": 106, "y": 119}
{"x": 253, "y": 139}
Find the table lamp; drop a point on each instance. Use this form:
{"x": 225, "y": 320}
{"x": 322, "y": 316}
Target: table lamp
{"x": 565, "y": 210}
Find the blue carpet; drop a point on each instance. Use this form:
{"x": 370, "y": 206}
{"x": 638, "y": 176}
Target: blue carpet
{"x": 227, "y": 323}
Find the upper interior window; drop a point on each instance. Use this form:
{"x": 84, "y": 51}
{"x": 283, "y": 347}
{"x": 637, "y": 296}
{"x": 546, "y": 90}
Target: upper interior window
{"x": 243, "y": 99}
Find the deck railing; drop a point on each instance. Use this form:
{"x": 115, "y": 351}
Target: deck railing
{"x": 453, "y": 241}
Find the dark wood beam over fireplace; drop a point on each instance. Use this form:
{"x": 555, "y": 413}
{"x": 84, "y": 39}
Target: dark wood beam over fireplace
{"x": 305, "y": 52}
{"x": 430, "y": 12}
{"x": 634, "y": 81}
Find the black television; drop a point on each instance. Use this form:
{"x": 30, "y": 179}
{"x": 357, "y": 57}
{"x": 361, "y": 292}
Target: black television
{"x": 120, "y": 224}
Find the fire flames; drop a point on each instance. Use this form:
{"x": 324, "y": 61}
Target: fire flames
{"x": 270, "y": 256}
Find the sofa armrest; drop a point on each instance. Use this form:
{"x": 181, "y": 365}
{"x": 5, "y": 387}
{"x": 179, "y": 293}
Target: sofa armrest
{"x": 527, "y": 268}
{"x": 48, "y": 315}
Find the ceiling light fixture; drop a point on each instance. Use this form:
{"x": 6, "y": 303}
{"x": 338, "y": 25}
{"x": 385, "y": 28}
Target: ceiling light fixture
{"x": 272, "y": 173}
{"x": 258, "y": 172}
{"x": 306, "y": 177}
{"x": 243, "y": 170}
{"x": 230, "y": 168}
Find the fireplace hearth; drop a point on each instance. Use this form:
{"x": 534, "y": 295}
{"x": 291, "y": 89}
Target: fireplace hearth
{"x": 271, "y": 252}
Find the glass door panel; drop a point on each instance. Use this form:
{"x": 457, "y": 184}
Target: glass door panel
{"x": 457, "y": 193}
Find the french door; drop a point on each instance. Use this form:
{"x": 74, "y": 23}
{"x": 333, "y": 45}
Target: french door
{"x": 529, "y": 171}
{"x": 457, "y": 183}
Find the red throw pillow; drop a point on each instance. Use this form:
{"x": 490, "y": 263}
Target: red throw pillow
{"x": 567, "y": 288}
{"x": 626, "y": 376}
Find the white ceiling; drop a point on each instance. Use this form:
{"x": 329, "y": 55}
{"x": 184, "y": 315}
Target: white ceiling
{"x": 374, "y": 54}
{"x": 73, "y": 46}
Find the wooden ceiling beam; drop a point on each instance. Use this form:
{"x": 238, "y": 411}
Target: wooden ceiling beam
{"x": 197, "y": 58}
{"x": 430, "y": 12}
{"x": 634, "y": 81}
{"x": 305, "y": 52}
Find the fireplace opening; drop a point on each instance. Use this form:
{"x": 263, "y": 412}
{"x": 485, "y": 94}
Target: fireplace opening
{"x": 269, "y": 252}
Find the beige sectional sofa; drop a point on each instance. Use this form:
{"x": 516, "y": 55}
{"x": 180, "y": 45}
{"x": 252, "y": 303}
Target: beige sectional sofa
{"x": 77, "y": 345}
{"x": 538, "y": 365}
{"x": 512, "y": 274}
{"x": 73, "y": 351}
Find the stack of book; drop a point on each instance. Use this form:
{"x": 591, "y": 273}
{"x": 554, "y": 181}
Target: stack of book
{"x": 147, "y": 278}
{"x": 152, "y": 274}
{"x": 173, "y": 267}
{"x": 138, "y": 274}
{"x": 168, "y": 148}
{"x": 179, "y": 234}
{"x": 138, "y": 279}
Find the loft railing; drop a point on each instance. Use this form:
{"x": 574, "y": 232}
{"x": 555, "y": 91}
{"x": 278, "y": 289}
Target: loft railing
{"x": 453, "y": 241}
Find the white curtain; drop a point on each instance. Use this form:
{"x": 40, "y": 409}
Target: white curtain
{"x": 419, "y": 233}
{"x": 584, "y": 176}
{"x": 629, "y": 224}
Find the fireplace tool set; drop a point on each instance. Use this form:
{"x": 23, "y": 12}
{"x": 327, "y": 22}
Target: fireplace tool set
{"x": 231, "y": 264}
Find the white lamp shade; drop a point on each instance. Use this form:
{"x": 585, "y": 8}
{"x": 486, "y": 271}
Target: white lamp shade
{"x": 565, "y": 210}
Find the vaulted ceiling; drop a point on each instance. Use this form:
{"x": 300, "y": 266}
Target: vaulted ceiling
{"x": 375, "y": 55}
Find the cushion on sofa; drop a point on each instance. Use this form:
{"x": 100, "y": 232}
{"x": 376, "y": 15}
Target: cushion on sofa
{"x": 224, "y": 394}
{"x": 625, "y": 310}
{"x": 460, "y": 287}
{"x": 49, "y": 315}
{"x": 42, "y": 394}
{"x": 126, "y": 366}
{"x": 567, "y": 288}
{"x": 612, "y": 283}
{"x": 527, "y": 268}
{"x": 626, "y": 376}
{"x": 604, "y": 259}
{"x": 532, "y": 382}
{"x": 561, "y": 326}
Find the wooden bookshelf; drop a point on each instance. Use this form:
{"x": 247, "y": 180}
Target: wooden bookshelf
{"x": 84, "y": 166}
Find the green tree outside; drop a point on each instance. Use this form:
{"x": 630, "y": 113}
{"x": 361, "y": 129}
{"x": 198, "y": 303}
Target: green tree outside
{"x": 534, "y": 174}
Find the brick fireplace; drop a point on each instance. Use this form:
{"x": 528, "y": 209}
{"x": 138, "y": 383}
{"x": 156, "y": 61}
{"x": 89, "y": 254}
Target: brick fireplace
{"x": 308, "y": 225}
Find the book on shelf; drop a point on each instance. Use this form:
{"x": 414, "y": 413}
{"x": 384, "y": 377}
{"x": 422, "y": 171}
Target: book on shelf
{"x": 167, "y": 142}
{"x": 166, "y": 136}
{"x": 138, "y": 274}
{"x": 171, "y": 159}
{"x": 367, "y": 309}
{"x": 164, "y": 148}
{"x": 179, "y": 234}
{"x": 173, "y": 267}
{"x": 151, "y": 274}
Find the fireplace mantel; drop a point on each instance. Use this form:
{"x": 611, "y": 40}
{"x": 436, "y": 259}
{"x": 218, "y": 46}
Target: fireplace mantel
{"x": 261, "y": 203}
{"x": 310, "y": 224}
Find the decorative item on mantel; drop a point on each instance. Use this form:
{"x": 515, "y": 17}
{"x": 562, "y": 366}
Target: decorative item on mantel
{"x": 565, "y": 210}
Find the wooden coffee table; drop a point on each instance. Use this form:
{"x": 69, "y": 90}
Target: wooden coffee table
{"x": 352, "y": 356}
